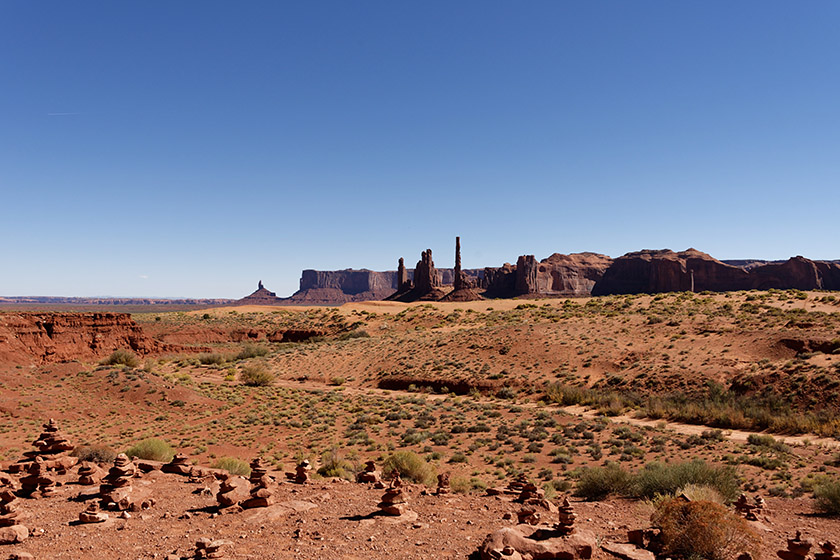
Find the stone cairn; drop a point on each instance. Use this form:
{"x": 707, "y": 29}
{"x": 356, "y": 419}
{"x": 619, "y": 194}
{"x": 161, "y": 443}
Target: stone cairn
{"x": 828, "y": 551}
{"x": 232, "y": 490}
{"x": 302, "y": 472}
{"x": 116, "y": 486}
{"x": 52, "y": 446}
{"x": 10, "y": 530}
{"x": 797, "y": 548}
{"x": 443, "y": 484}
{"x": 369, "y": 475}
{"x": 261, "y": 495}
{"x": 394, "y": 501}
{"x": 89, "y": 474}
{"x": 208, "y": 548}
{"x": 749, "y": 510}
{"x": 180, "y": 464}
{"x": 37, "y": 482}
{"x": 566, "y": 518}
{"x": 92, "y": 515}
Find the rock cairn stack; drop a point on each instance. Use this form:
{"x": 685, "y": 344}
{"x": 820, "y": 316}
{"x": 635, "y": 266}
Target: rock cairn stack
{"x": 233, "y": 489}
{"x": 116, "y": 486}
{"x": 797, "y": 548}
{"x": 180, "y": 464}
{"x": 261, "y": 495}
{"x": 52, "y": 446}
{"x": 208, "y": 548}
{"x": 93, "y": 515}
{"x": 566, "y": 518}
{"x": 749, "y": 510}
{"x": 10, "y": 530}
{"x": 443, "y": 484}
{"x": 89, "y": 474}
{"x": 394, "y": 501}
{"x": 369, "y": 474}
{"x": 828, "y": 551}
{"x": 302, "y": 472}
{"x": 37, "y": 482}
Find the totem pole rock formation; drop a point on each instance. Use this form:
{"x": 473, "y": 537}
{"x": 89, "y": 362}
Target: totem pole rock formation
{"x": 463, "y": 289}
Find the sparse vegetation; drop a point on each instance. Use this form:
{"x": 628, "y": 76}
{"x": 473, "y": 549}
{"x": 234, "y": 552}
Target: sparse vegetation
{"x": 152, "y": 449}
{"x": 232, "y": 465}
{"x": 256, "y": 375}
{"x": 122, "y": 357}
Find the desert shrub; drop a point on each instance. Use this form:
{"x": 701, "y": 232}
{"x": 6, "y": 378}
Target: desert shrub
{"x": 827, "y": 498}
{"x": 232, "y": 465}
{"x": 213, "y": 358}
{"x": 333, "y": 464}
{"x": 701, "y": 493}
{"x": 152, "y": 449}
{"x": 251, "y": 351}
{"x": 122, "y": 357}
{"x": 596, "y": 483}
{"x": 703, "y": 530}
{"x": 410, "y": 466}
{"x": 256, "y": 375}
{"x": 96, "y": 453}
{"x": 465, "y": 485}
{"x": 661, "y": 479}
{"x": 358, "y": 333}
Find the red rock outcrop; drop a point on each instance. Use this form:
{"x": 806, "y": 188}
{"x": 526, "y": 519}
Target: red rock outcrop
{"x": 57, "y": 337}
{"x": 427, "y": 282}
{"x": 261, "y": 296}
{"x": 557, "y": 275}
{"x": 691, "y": 270}
{"x": 462, "y": 287}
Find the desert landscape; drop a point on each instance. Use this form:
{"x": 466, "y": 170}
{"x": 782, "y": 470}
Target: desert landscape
{"x": 494, "y": 413}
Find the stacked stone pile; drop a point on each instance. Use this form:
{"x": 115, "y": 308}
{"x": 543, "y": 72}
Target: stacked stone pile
{"x": 52, "y": 447}
{"x": 11, "y": 531}
{"x": 828, "y": 551}
{"x": 37, "y": 482}
{"x": 89, "y": 474}
{"x": 443, "y": 486}
{"x": 115, "y": 489}
{"x": 208, "y": 548}
{"x": 233, "y": 489}
{"x": 92, "y": 515}
{"x": 261, "y": 495}
{"x": 180, "y": 464}
{"x": 394, "y": 501}
{"x": 797, "y": 548}
{"x": 369, "y": 474}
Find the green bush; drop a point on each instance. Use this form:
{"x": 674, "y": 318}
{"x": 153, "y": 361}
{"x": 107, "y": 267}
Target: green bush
{"x": 121, "y": 357}
{"x": 661, "y": 479}
{"x": 334, "y": 464}
{"x": 152, "y": 449}
{"x": 251, "y": 351}
{"x": 256, "y": 375}
{"x": 410, "y": 466}
{"x": 214, "y": 358}
{"x": 596, "y": 483}
{"x": 465, "y": 485}
{"x": 827, "y": 498}
{"x": 703, "y": 530}
{"x": 232, "y": 465}
{"x": 95, "y": 453}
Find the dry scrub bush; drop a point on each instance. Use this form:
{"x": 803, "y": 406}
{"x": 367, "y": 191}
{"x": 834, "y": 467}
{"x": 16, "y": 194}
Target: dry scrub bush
{"x": 827, "y": 498}
{"x": 152, "y": 449}
{"x": 121, "y": 357}
{"x": 96, "y": 453}
{"x": 251, "y": 351}
{"x": 232, "y": 465}
{"x": 703, "y": 530}
{"x": 333, "y": 464}
{"x": 410, "y": 466}
{"x": 256, "y": 375}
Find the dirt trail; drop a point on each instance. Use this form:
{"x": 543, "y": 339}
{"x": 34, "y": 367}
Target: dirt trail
{"x": 579, "y": 411}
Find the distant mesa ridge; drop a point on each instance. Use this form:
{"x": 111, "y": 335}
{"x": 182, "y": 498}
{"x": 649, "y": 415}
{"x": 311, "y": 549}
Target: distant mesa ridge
{"x": 559, "y": 275}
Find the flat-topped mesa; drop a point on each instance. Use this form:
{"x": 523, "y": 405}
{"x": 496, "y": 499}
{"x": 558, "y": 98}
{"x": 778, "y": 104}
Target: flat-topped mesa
{"x": 369, "y": 475}
{"x": 180, "y": 464}
{"x": 37, "y": 482}
{"x": 394, "y": 501}
{"x": 261, "y": 495}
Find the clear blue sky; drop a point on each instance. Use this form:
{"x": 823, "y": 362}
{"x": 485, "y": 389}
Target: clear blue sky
{"x": 192, "y": 148}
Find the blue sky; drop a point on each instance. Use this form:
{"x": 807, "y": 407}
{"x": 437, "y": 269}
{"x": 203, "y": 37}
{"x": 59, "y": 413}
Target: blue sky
{"x": 192, "y": 148}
